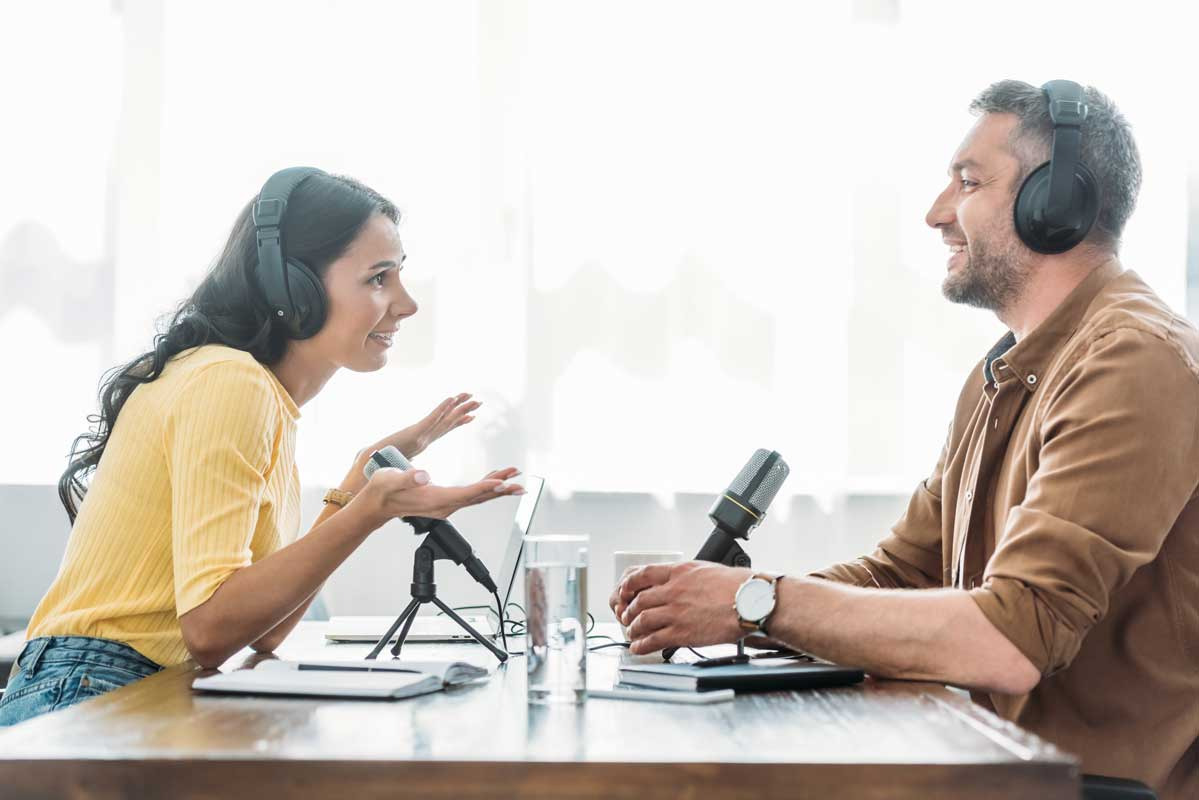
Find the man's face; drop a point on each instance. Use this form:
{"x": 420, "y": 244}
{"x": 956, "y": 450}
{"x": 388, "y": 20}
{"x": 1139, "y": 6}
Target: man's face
{"x": 988, "y": 265}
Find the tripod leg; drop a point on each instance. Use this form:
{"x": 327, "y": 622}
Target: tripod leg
{"x": 395, "y": 651}
{"x": 408, "y": 612}
{"x": 500, "y": 654}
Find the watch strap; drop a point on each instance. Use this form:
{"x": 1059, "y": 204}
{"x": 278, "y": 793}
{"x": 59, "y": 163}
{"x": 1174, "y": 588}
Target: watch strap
{"x": 338, "y": 497}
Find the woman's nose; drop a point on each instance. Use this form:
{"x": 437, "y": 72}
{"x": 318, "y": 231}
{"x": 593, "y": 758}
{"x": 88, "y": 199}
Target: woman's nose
{"x": 404, "y": 305}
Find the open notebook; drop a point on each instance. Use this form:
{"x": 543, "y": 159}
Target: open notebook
{"x": 377, "y": 679}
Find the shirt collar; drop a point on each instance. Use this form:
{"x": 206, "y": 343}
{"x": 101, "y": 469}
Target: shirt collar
{"x": 1001, "y": 347}
{"x": 1028, "y": 358}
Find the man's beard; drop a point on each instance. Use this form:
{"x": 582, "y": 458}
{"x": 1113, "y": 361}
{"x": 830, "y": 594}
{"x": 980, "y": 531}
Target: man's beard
{"x": 993, "y": 278}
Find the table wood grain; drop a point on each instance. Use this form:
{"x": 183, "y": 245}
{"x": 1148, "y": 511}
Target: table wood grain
{"x": 882, "y": 739}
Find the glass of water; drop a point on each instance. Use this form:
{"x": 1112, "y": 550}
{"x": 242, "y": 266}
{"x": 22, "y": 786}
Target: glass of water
{"x": 556, "y": 615}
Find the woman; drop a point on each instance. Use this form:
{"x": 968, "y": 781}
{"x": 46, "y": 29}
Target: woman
{"x": 184, "y": 544}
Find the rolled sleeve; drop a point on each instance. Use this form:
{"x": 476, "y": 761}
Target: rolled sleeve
{"x": 1117, "y": 462}
{"x": 220, "y": 437}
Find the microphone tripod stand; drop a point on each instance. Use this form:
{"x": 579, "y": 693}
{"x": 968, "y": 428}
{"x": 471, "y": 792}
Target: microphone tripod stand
{"x": 424, "y": 590}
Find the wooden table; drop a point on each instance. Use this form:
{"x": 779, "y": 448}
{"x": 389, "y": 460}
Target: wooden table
{"x": 882, "y": 739}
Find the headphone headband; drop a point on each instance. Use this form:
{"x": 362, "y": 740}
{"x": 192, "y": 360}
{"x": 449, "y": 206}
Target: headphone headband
{"x": 1067, "y": 110}
{"x": 288, "y": 292}
{"x": 1058, "y": 202}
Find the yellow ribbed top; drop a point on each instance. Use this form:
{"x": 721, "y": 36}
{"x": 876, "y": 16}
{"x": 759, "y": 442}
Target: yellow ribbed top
{"x": 198, "y": 480}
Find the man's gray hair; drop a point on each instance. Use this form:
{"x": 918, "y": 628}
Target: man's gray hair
{"x": 1107, "y": 147}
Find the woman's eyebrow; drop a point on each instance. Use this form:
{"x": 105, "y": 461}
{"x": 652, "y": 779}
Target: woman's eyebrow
{"x": 387, "y": 264}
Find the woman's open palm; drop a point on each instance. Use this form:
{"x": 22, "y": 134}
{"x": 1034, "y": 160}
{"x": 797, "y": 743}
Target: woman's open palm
{"x": 393, "y": 493}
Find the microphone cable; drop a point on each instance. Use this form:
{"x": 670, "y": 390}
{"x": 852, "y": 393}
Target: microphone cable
{"x": 499, "y": 610}
{"x": 519, "y": 627}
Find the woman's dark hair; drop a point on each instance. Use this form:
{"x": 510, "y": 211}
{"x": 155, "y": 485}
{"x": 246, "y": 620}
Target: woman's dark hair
{"x": 324, "y": 215}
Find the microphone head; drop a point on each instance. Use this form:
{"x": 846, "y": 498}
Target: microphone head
{"x": 743, "y": 505}
{"x": 389, "y": 456}
{"x": 759, "y": 480}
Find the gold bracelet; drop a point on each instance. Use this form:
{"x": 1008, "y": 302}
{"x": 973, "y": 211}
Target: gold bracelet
{"x": 338, "y": 497}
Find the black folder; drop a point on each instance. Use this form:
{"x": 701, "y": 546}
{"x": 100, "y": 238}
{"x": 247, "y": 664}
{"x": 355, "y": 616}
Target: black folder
{"x": 758, "y": 675}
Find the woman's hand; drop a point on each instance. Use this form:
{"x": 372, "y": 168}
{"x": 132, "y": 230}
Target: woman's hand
{"x": 453, "y": 412}
{"x": 393, "y": 493}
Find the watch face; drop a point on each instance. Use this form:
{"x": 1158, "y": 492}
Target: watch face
{"x": 755, "y": 600}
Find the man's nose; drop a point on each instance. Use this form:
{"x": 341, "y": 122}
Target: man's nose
{"x": 942, "y": 212}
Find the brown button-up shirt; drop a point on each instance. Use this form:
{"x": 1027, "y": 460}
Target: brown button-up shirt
{"x": 1066, "y": 502}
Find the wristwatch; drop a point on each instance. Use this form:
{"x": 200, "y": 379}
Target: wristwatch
{"x": 338, "y": 497}
{"x": 754, "y": 602}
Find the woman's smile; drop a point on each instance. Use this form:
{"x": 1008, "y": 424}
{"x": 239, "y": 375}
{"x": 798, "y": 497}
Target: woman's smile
{"x": 382, "y": 337}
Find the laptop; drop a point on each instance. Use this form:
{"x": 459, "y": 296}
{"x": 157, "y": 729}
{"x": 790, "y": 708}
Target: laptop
{"x": 442, "y": 628}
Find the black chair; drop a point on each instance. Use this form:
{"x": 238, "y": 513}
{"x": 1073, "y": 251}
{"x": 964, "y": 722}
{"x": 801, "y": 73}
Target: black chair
{"x": 1099, "y": 787}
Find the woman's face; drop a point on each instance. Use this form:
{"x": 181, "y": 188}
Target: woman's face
{"x": 366, "y": 299}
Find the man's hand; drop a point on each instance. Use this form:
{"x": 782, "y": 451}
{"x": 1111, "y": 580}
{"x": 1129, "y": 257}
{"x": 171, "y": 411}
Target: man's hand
{"x": 676, "y": 605}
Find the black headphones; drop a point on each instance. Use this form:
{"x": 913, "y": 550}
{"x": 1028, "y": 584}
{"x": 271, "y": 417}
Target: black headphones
{"x": 1058, "y": 202}
{"x": 293, "y": 291}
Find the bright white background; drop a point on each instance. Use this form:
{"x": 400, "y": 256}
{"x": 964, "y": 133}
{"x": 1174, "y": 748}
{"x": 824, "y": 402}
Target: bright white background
{"x": 652, "y": 236}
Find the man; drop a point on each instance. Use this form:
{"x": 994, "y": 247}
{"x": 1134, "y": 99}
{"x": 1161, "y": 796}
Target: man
{"x": 1054, "y": 550}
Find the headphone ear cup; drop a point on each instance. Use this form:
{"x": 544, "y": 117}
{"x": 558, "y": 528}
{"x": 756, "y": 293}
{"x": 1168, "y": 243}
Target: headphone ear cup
{"x": 307, "y": 298}
{"x": 1032, "y": 202}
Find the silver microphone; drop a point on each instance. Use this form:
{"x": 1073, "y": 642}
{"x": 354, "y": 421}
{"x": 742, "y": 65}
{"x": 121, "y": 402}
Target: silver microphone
{"x": 389, "y": 456}
{"x": 742, "y": 506}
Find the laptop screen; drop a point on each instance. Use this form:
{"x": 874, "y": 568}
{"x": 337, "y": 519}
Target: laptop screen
{"x": 520, "y": 526}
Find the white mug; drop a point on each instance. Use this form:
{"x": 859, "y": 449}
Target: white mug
{"x": 623, "y": 559}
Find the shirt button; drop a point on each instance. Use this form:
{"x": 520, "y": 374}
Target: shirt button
{"x": 1032, "y": 380}
{"x": 969, "y": 495}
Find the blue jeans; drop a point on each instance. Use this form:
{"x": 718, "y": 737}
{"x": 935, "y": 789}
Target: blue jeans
{"x": 54, "y": 672}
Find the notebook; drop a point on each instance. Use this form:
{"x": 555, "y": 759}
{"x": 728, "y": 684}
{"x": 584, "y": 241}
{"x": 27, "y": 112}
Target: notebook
{"x": 362, "y": 679}
{"x": 450, "y": 673}
{"x": 757, "y": 675}
{"x": 391, "y": 685}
